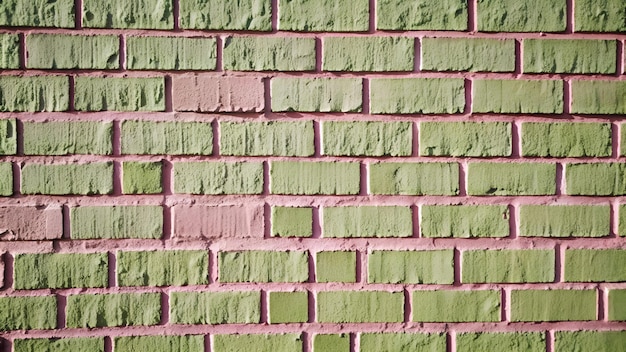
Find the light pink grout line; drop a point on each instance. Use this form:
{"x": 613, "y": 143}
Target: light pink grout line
{"x": 614, "y": 218}
{"x": 417, "y": 55}
{"x": 167, "y": 179}
{"x": 112, "y": 270}
{"x": 415, "y": 215}
{"x": 472, "y": 15}
{"x": 219, "y": 55}
{"x": 169, "y": 93}
{"x": 176, "y": 14}
{"x": 317, "y": 138}
{"x": 468, "y": 97}
{"x": 516, "y": 139}
{"x": 408, "y": 307}
{"x": 621, "y": 57}
{"x": 267, "y": 221}
{"x": 267, "y": 98}
{"x": 513, "y": 223}
{"x": 366, "y": 96}
{"x": 311, "y": 308}
{"x": 463, "y": 177}
{"x": 117, "y": 178}
{"x": 569, "y": 27}
{"x": 559, "y": 267}
{"x": 16, "y": 169}
{"x": 550, "y": 341}
{"x": 450, "y": 341}
{"x": 61, "y": 306}
{"x": 602, "y": 304}
{"x": 274, "y": 19}
{"x": 23, "y": 52}
{"x": 355, "y": 342}
{"x": 264, "y": 307}
{"x": 415, "y": 133}
{"x": 567, "y": 97}
{"x": 361, "y": 266}
{"x": 519, "y": 58}
{"x": 457, "y": 267}
{"x": 372, "y": 17}
{"x": 207, "y": 343}
{"x": 71, "y": 93}
{"x": 213, "y": 269}
{"x": 317, "y": 222}
{"x": 560, "y": 180}
{"x": 266, "y": 178}
{"x": 65, "y": 214}
{"x": 503, "y": 306}
{"x": 122, "y": 52}
{"x": 319, "y": 52}
{"x": 168, "y": 222}
{"x": 165, "y": 309}
{"x": 306, "y": 341}
{"x": 364, "y": 171}
{"x": 311, "y": 267}
{"x": 615, "y": 140}
{"x": 506, "y": 302}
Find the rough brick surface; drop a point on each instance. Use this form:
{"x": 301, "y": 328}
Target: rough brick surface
{"x": 569, "y": 56}
{"x": 221, "y": 221}
{"x": 589, "y": 340}
{"x": 427, "y": 15}
{"x": 21, "y": 313}
{"x": 9, "y": 51}
{"x": 600, "y": 16}
{"x": 564, "y": 221}
{"x": 258, "y": 342}
{"x": 267, "y": 138}
{"x": 141, "y": 177}
{"x": 95, "y": 344}
{"x": 337, "y": 266}
{"x": 162, "y": 268}
{"x": 518, "y": 96}
{"x": 253, "y": 15}
{"x": 129, "y": 221}
{"x": 367, "y": 221}
{"x": 594, "y": 265}
{"x": 416, "y": 95}
{"x": 331, "y": 342}
{"x": 553, "y": 305}
{"x": 171, "y": 53}
{"x": 323, "y": 15}
{"x": 483, "y": 139}
{"x": 411, "y": 267}
{"x": 36, "y": 271}
{"x": 202, "y": 92}
{"x": 595, "y": 179}
{"x": 598, "y": 97}
{"x": 58, "y": 51}
{"x": 369, "y": 138}
{"x": 31, "y": 222}
{"x": 177, "y": 138}
{"x": 61, "y": 138}
{"x": 125, "y": 309}
{"x": 414, "y": 178}
{"x": 190, "y": 343}
{"x": 511, "y": 266}
{"x": 461, "y": 306}
{"x": 316, "y": 94}
{"x": 368, "y": 54}
{"x": 402, "y": 342}
{"x": 521, "y": 179}
{"x": 360, "y": 307}
{"x": 149, "y": 14}
{"x": 288, "y": 307}
{"x": 35, "y": 94}
{"x": 218, "y": 178}
{"x": 37, "y": 13}
{"x": 474, "y": 55}
{"x": 93, "y": 178}
{"x": 617, "y": 309}
{"x": 119, "y": 94}
{"x": 263, "y": 266}
{"x": 269, "y": 54}
{"x": 527, "y": 16}
{"x": 215, "y": 307}
{"x": 292, "y": 177}
{"x": 292, "y": 222}
{"x": 566, "y": 139}
{"x": 464, "y": 221}
{"x": 488, "y": 341}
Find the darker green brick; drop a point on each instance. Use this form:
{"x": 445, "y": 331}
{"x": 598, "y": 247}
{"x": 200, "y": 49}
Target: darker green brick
{"x": 144, "y": 14}
{"x": 417, "y": 95}
{"x": 8, "y": 137}
{"x": 501, "y": 341}
{"x": 288, "y": 307}
{"x": 251, "y": 15}
{"x": 414, "y": 178}
{"x": 317, "y": 94}
{"x": 595, "y": 179}
{"x": 401, "y": 15}
{"x": 167, "y": 343}
{"x": 171, "y": 53}
{"x": 276, "y": 138}
{"x": 518, "y": 96}
{"x": 331, "y": 342}
{"x": 367, "y": 138}
{"x": 591, "y": 340}
{"x": 463, "y": 54}
{"x": 402, "y": 342}
{"x": 263, "y": 266}
{"x": 34, "y": 93}
{"x": 121, "y": 221}
{"x": 489, "y": 179}
{"x": 119, "y": 94}
{"x": 162, "y": 268}
{"x": 464, "y": 221}
{"x": 37, "y": 13}
{"x": 215, "y": 307}
{"x": 598, "y": 97}
{"x": 360, "y": 307}
{"x": 570, "y": 56}
{"x": 269, "y": 54}
{"x": 411, "y": 267}
{"x": 167, "y": 137}
{"x": 595, "y": 265}
{"x": 47, "y": 270}
{"x": 566, "y": 139}
{"x": 526, "y": 16}
{"x": 292, "y": 222}
{"x": 9, "y": 50}
{"x": 63, "y": 138}
{"x": 479, "y": 139}
{"x": 335, "y": 266}
{"x": 565, "y": 220}
{"x": 60, "y": 51}
{"x": 6, "y": 179}
{"x": 367, "y": 221}
{"x": 92, "y": 344}
{"x": 123, "y": 309}
{"x": 218, "y": 177}
{"x": 61, "y": 179}
{"x": 617, "y": 305}
{"x": 508, "y": 266}
{"x": 553, "y": 305}
{"x": 599, "y": 16}
{"x": 310, "y": 178}
{"x": 28, "y": 312}
{"x": 456, "y": 306}
{"x": 323, "y": 15}
{"x": 368, "y": 54}
{"x": 258, "y": 343}
{"x": 141, "y": 177}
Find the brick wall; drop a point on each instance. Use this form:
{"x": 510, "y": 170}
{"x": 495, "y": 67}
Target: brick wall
{"x": 312, "y": 175}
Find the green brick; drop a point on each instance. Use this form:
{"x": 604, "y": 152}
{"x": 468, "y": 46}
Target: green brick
{"x": 34, "y": 93}
{"x": 480, "y": 139}
{"x": 59, "y": 51}
{"x": 518, "y": 96}
{"x": 323, "y": 15}
{"x": 599, "y": 16}
{"x": 621, "y": 230}
{"x": 317, "y": 94}
{"x": 188, "y": 343}
{"x": 417, "y": 95}
{"x": 565, "y": 220}
{"x": 269, "y": 54}
{"x": 552, "y": 305}
{"x": 288, "y": 307}
{"x": 456, "y": 306}
{"x": 368, "y": 54}
{"x": 276, "y": 138}
{"x": 173, "y": 138}
{"x": 367, "y": 221}
{"x": 335, "y": 266}
{"x": 26, "y": 313}
{"x": 119, "y": 94}
{"x": 162, "y": 268}
{"x": 87, "y": 179}
{"x": 121, "y": 221}
{"x": 9, "y": 50}
{"x": 252, "y": 15}
{"x": 527, "y": 16}
{"x": 570, "y": 56}
{"x": 171, "y": 53}
{"x": 263, "y": 266}
{"x": 258, "y": 343}
{"x": 599, "y": 97}
{"x": 501, "y": 179}
{"x": 474, "y": 55}
{"x": 566, "y": 139}
{"x": 595, "y": 179}
{"x": 367, "y": 138}
{"x": 464, "y": 221}
{"x": 360, "y": 307}
{"x": 617, "y": 306}
{"x": 501, "y": 341}
{"x": 6, "y": 179}
{"x": 292, "y": 222}
{"x": 215, "y": 307}
{"x": 448, "y": 15}
{"x": 309, "y": 178}
{"x": 508, "y": 266}
{"x": 580, "y": 341}
{"x": 148, "y": 14}
{"x": 402, "y": 342}
{"x": 218, "y": 177}
{"x": 124, "y": 309}
{"x": 63, "y": 138}
{"x": 595, "y": 265}
{"x": 95, "y": 344}
{"x": 8, "y": 137}
{"x": 141, "y": 177}
{"x": 414, "y": 178}
{"x": 47, "y": 270}
{"x": 411, "y": 267}
{"x": 331, "y": 343}
{"x": 37, "y": 13}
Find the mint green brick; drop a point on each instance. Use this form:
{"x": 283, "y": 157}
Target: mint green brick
{"x": 402, "y": 342}
{"x": 595, "y": 179}
{"x": 580, "y": 341}
{"x": 527, "y": 16}
{"x": 368, "y": 54}
{"x": 599, "y": 16}
{"x": 360, "y": 307}
{"x": 518, "y": 96}
{"x": 188, "y": 343}
{"x": 95, "y": 344}
{"x": 462, "y": 54}
{"x": 162, "y": 268}
{"x": 617, "y": 305}
{"x": 367, "y": 138}
{"x": 37, "y": 13}
{"x": 411, "y": 267}
{"x": 479, "y": 139}
{"x": 414, "y": 178}
{"x": 275, "y": 138}
{"x": 599, "y": 97}
{"x": 417, "y": 95}
{"x": 448, "y": 15}
{"x": 310, "y": 178}
{"x": 464, "y": 221}
{"x": 119, "y": 94}
{"x": 269, "y": 54}
{"x": 61, "y": 179}
{"x": 60, "y": 51}
{"x": 292, "y": 222}
{"x": 501, "y": 341}
{"x": 258, "y": 343}
{"x": 141, "y": 177}
{"x": 54, "y": 270}
{"x": 173, "y": 138}
{"x": 34, "y": 93}
{"x": 565, "y": 220}
{"x": 27, "y": 313}
{"x": 147, "y": 14}
{"x": 553, "y": 305}
{"x": 323, "y": 15}
{"x": 522, "y": 179}
{"x": 9, "y": 51}
{"x": 215, "y": 307}
{"x": 570, "y": 56}
{"x": 595, "y": 265}
{"x": 6, "y": 179}
{"x": 331, "y": 343}
{"x": 8, "y": 137}
{"x": 120, "y": 221}
{"x": 367, "y": 221}
{"x": 63, "y": 138}
{"x": 508, "y": 266}
{"x": 288, "y": 307}
{"x": 317, "y": 94}
{"x": 456, "y": 306}
{"x": 566, "y": 139}
{"x": 335, "y": 266}
{"x": 171, "y": 53}
{"x": 263, "y": 266}
{"x": 251, "y": 15}
{"x": 123, "y": 309}
{"x": 218, "y": 177}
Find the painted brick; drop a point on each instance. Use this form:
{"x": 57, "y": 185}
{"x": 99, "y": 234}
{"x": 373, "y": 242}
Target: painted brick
{"x": 288, "y": 307}
{"x": 462, "y": 54}
{"x": 215, "y": 307}
{"x": 598, "y": 97}
{"x": 565, "y": 220}
{"x": 28, "y": 223}
{"x": 479, "y": 139}
{"x": 9, "y": 50}
{"x": 317, "y": 94}
{"x": 599, "y": 16}
{"x": 25, "y": 313}
{"x": 121, "y": 221}
{"x": 263, "y": 266}
{"x": 87, "y": 179}
{"x": 279, "y": 138}
{"x": 371, "y": 138}
{"x": 411, "y": 267}
{"x": 335, "y": 266}
{"x": 553, "y": 305}
{"x": 456, "y": 306}
{"x": 292, "y": 222}
{"x": 487, "y": 179}
{"x": 367, "y": 221}
{"x": 59, "y": 51}
{"x": 206, "y": 93}
{"x": 258, "y": 342}
{"x": 220, "y": 221}
{"x": 331, "y": 343}
{"x": 427, "y": 15}
{"x": 595, "y": 265}
{"x": 617, "y": 308}
{"x": 171, "y": 53}
{"x": 566, "y": 139}
{"x": 148, "y": 14}
{"x": 63, "y": 138}
{"x": 595, "y": 179}
{"x": 505, "y": 341}
{"x": 518, "y": 96}
{"x": 37, "y": 13}
{"x": 95, "y": 344}
{"x": 162, "y": 268}
{"x": 124, "y": 309}
{"x": 141, "y": 177}
{"x": 173, "y": 138}
{"x": 269, "y": 54}
{"x": 360, "y": 307}
{"x": 8, "y": 137}
{"x": 34, "y": 93}
{"x": 368, "y": 54}
{"x": 323, "y": 15}
{"x": 119, "y": 94}
{"x": 529, "y": 16}
{"x": 54, "y": 270}
{"x": 464, "y": 221}
{"x": 414, "y": 178}
{"x": 417, "y": 95}
{"x": 578, "y": 341}
{"x": 402, "y": 342}
{"x": 6, "y": 179}
{"x": 252, "y": 15}
{"x": 309, "y": 178}
{"x": 190, "y": 343}
{"x": 218, "y": 177}
{"x": 621, "y": 230}
{"x": 508, "y": 266}
{"x": 569, "y": 56}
